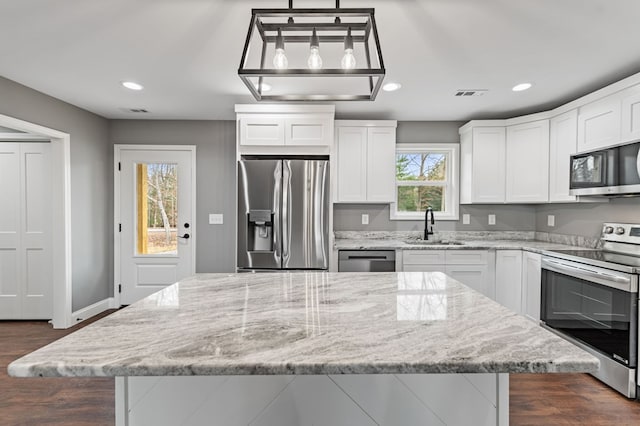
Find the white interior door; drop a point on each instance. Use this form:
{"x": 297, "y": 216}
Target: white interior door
{"x": 156, "y": 218}
{"x": 26, "y": 287}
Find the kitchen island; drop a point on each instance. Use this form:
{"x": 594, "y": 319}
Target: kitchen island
{"x": 310, "y": 348}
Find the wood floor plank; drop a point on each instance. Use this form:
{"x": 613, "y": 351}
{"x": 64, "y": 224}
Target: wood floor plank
{"x": 535, "y": 399}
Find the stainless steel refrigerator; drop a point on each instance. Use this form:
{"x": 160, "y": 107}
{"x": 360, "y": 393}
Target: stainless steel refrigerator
{"x": 283, "y": 220}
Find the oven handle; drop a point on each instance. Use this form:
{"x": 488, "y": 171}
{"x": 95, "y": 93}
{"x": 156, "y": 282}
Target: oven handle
{"x": 610, "y": 280}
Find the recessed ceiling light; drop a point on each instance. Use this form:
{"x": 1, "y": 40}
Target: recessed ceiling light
{"x": 520, "y": 87}
{"x": 391, "y": 87}
{"x": 265, "y": 87}
{"x": 132, "y": 85}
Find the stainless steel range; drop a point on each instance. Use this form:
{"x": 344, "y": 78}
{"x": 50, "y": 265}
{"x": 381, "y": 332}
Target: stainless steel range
{"x": 590, "y": 297}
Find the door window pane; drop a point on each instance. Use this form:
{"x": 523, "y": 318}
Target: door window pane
{"x": 157, "y": 208}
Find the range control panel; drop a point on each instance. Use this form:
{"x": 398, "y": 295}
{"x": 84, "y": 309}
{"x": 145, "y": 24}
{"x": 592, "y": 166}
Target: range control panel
{"x": 621, "y": 232}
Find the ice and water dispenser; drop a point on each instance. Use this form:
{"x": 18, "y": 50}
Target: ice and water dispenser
{"x": 260, "y": 227}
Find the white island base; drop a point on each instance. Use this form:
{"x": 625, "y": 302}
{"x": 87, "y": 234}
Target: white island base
{"x": 295, "y": 400}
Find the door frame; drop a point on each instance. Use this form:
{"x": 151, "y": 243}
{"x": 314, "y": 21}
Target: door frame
{"x": 117, "y": 150}
{"x": 60, "y": 211}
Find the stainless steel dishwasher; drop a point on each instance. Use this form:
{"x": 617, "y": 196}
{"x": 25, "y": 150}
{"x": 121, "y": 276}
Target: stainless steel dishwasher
{"x": 366, "y": 261}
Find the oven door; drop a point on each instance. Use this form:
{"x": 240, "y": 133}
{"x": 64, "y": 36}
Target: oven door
{"x": 595, "y": 306}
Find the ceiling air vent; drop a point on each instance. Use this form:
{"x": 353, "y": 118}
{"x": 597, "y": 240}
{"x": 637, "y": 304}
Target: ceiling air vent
{"x": 139, "y": 110}
{"x": 470, "y": 92}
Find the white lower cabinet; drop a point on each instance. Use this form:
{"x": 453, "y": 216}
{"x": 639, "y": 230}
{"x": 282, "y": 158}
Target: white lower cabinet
{"x": 470, "y": 267}
{"x": 531, "y": 281}
{"x": 509, "y": 279}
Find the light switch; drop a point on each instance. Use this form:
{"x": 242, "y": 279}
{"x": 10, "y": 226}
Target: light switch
{"x": 551, "y": 220}
{"x": 492, "y": 219}
{"x": 365, "y": 219}
{"x": 216, "y": 219}
{"x": 466, "y": 219}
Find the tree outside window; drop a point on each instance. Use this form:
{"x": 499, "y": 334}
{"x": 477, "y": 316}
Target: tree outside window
{"x": 421, "y": 180}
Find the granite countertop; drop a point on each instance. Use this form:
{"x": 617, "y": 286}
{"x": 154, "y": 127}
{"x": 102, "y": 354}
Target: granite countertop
{"x": 461, "y": 241}
{"x": 308, "y": 323}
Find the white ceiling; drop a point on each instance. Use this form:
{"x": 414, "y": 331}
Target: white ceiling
{"x": 186, "y": 54}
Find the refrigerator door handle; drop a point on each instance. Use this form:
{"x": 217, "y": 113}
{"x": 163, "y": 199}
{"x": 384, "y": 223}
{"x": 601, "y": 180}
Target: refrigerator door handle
{"x": 286, "y": 211}
{"x": 277, "y": 212}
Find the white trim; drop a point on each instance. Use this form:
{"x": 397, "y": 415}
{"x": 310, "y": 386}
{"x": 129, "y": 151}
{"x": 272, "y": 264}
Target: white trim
{"x": 366, "y": 123}
{"x": 284, "y": 108}
{"x": 117, "y": 149}
{"x": 453, "y": 172}
{"x": 93, "y": 310}
{"x": 7, "y": 136}
{"x": 61, "y": 214}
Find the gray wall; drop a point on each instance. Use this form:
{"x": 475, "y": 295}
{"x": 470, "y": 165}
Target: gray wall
{"x": 91, "y": 183}
{"x": 215, "y": 143}
{"x": 586, "y": 218}
{"x": 347, "y": 217}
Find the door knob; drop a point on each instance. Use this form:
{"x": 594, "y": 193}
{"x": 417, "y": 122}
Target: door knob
{"x": 185, "y": 236}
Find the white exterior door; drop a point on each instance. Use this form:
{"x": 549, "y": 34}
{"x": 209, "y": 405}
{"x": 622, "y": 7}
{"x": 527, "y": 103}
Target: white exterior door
{"x": 26, "y": 287}
{"x": 156, "y": 218}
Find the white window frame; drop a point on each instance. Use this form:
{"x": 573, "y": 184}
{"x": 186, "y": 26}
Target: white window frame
{"x": 452, "y": 201}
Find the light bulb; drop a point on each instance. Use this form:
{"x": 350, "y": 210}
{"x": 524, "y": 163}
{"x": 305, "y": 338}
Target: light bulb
{"x": 280, "y": 61}
{"x": 348, "y": 60}
{"x": 315, "y": 61}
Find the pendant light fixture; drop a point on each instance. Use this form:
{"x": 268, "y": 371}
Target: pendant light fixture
{"x": 356, "y": 73}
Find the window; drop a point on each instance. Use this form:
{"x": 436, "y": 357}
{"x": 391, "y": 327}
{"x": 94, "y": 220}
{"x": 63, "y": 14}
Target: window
{"x": 426, "y": 175}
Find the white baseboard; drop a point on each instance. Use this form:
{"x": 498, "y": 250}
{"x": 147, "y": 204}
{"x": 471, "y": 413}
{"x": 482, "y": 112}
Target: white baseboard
{"x": 92, "y": 310}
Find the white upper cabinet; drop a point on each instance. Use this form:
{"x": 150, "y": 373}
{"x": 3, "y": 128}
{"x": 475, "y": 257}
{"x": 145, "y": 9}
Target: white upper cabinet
{"x": 381, "y": 164}
{"x": 630, "y": 114}
{"x": 352, "y": 163}
{"x": 366, "y": 162}
{"x": 563, "y": 136}
{"x": 527, "y": 164}
{"x": 482, "y": 165}
{"x": 264, "y": 127}
{"x": 599, "y": 124}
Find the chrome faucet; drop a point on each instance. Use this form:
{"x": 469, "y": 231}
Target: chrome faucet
{"x": 428, "y": 232}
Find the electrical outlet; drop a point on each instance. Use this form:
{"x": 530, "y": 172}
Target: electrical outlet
{"x": 492, "y": 219}
{"x": 466, "y": 219}
{"x": 216, "y": 219}
{"x": 365, "y": 219}
{"x": 551, "y": 220}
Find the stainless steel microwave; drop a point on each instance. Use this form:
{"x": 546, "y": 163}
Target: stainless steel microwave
{"x": 612, "y": 171}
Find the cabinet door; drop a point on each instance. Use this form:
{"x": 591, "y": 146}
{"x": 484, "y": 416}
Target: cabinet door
{"x": 599, "y": 124}
{"x": 563, "y": 136}
{"x": 261, "y": 130}
{"x": 466, "y": 257}
{"x": 423, "y": 257}
{"x": 532, "y": 280}
{"x": 631, "y": 114}
{"x": 474, "y": 276}
{"x": 488, "y": 165}
{"x": 527, "y": 162}
{"x": 509, "y": 279}
{"x": 308, "y": 131}
{"x": 381, "y": 164}
{"x": 352, "y": 167}
{"x": 423, "y": 268}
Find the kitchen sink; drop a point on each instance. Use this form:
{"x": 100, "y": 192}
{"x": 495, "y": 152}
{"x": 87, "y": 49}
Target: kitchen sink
{"x": 434, "y": 243}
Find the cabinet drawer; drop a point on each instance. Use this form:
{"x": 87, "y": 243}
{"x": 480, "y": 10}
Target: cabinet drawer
{"x": 466, "y": 257}
{"x": 423, "y": 268}
{"x": 422, "y": 257}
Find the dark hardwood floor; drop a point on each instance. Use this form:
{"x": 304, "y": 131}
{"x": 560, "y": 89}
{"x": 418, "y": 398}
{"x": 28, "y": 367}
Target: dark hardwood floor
{"x": 536, "y": 399}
